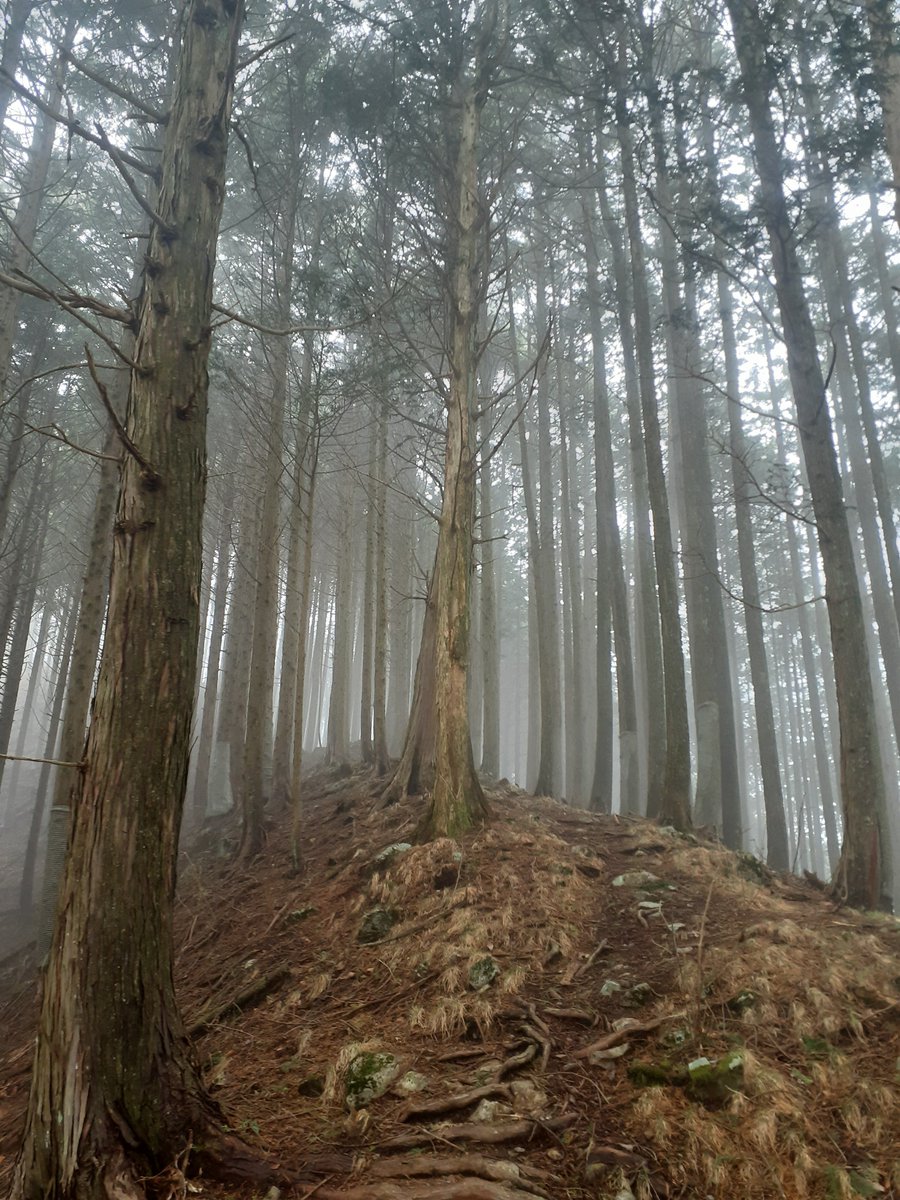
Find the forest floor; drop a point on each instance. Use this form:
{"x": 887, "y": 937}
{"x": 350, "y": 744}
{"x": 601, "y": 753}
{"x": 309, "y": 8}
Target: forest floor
{"x": 559, "y": 1004}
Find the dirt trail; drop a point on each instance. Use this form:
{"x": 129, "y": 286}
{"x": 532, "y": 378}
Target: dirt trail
{"x": 497, "y": 990}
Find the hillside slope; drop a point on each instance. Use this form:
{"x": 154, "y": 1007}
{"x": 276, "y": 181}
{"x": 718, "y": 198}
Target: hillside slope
{"x": 561, "y": 1005}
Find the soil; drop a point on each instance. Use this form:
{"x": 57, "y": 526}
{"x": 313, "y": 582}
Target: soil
{"x": 793, "y": 1002}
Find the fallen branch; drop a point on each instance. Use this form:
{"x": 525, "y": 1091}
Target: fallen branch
{"x": 246, "y": 999}
{"x": 592, "y": 958}
{"x": 432, "y": 1108}
{"x": 493, "y": 1134}
{"x": 632, "y": 1029}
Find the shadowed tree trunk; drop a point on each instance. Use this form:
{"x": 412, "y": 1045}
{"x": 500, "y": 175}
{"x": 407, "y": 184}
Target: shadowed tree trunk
{"x": 115, "y": 1092}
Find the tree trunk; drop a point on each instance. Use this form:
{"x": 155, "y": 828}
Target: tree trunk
{"x": 863, "y": 876}
{"x": 886, "y": 63}
{"x": 17, "y": 14}
{"x": 456, "y": 801}
{"x": 650, "y": 668}
{"x": 490, "y": 648}
{"x": 675, "y": 803}
{"x": 205, "y": 741}
{"x": 115, "y": 1093}
{"x": 65, "y": 638}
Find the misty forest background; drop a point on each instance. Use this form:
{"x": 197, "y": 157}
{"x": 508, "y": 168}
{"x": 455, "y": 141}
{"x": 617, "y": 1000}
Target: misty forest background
{"x": 627, "y": 323}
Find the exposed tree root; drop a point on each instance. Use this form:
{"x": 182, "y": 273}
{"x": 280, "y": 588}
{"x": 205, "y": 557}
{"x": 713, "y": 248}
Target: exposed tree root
{"x": 493, "y": 1134}
{"x": 433, "y": 1108}
{"x": 229, "y": 1160}
{"x": 427, "y": 1165}
{"x": 469, "y": 1189}
{"x": 572, "y": 1014}
{"x": 622, "y": 1035}
{"x": 522, "y": 1059}
{"x": 537, "y": 1038}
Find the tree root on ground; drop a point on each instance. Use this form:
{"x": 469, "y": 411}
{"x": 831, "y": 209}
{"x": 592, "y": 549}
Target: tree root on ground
{"x": 622, "y": 1035}
{"x": 521, "y": 1059}
{"x": 572, "y": 1014}
{"x": 469, "y": 1189}
{"x": 427, "y": 1165}
{"x": 493, "y": 1134}
{"x": 229, "y": 1160}
{"x": 432, "y": 1108}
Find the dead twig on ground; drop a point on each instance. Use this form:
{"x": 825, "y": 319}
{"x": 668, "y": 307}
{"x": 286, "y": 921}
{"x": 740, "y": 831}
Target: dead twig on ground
{"x": 251, "y": 994}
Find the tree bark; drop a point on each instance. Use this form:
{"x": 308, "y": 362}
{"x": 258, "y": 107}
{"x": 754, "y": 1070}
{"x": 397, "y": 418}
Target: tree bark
{"x": 115, "y": 1092}
{"x": 863, "y": 875}
{"x": 456, "y": 798}
{"x": 675, "y": 802}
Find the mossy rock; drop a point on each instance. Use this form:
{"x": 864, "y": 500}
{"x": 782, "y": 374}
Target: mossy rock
{"x": 638, "y": 996}
{"x": 376, "y": 924}
{"x": 386, "y": 856}
{"x": 638, "y": 879}
{"x": 709, "y": 1083}
{"x": 752, "y": 869}
{"x": 300, "y": 914}
{"x": 369, "y": 1076}
{"x": 410, "y": 1083}
{"x": 483, "y": 973}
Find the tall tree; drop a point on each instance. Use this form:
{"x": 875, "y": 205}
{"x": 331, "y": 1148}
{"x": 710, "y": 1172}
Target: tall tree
{"x": 863, "y": 875}
{"x": 112, "y": 1054}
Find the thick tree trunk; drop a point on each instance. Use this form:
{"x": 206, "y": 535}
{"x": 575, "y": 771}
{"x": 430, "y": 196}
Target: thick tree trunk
{"x": 609, "y": 556}
{"x": 456, "y": 798}
{"x": 863, "y": 876}
{"x": 115, "y": 1094}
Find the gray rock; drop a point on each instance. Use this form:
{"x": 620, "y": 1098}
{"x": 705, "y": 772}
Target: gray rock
{"x": 637, "y": 879}
{"x": 410, "y": 1083}
{"x": 369, "y": 1076}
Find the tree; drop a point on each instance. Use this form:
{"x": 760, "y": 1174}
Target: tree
{"x": 438, "y": 749}
{"x": 863, "y": 875}
{"x": 115, "y": 1092}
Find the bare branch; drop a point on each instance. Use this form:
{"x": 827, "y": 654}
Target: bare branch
{"x": 117, "y": 89}
{"x": 117, "y": 425}
{"x": 59, "y": 435}
{"x": 72, "y": 124}
{"x": 263, "y": 50}
{"x": 119, "y": 164}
